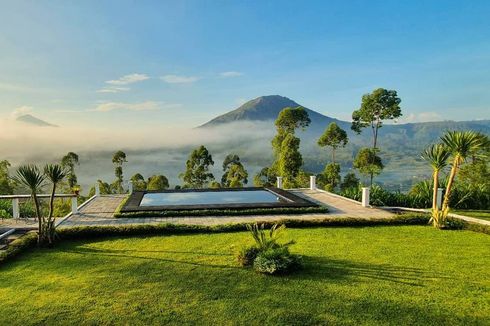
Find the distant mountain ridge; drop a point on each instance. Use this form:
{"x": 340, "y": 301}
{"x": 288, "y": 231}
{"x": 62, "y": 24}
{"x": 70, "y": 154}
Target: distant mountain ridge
{"x": 32, "y": 120}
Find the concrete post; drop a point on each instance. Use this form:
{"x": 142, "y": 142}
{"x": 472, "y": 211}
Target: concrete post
{"x": 312, "y": 182}
{"x": 130, "y": 187}
{"x": 15, "y": 208}
{"x": 74, "y": 205}
{"x": 97, "y": 189}
{"x": 439, "y": 197}
{"x": 365, "y": 197}
{"x": 279, "y": 182}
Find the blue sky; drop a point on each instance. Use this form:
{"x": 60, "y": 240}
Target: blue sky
{"x": 140, "y": 63}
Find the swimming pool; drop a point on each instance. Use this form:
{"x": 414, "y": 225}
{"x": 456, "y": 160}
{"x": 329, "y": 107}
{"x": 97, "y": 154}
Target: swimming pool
{"x": 206, "y": 199}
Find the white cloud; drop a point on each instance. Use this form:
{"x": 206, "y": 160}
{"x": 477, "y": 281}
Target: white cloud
{"x": 113, "y": 89}
{"x": 111, "y": 106}
{"x": 420, "y": 117}
{"x": 230, "y": 74}
{"x": 20, "y": 111}
{"x": 143, "y": 106}
{"x": 118, "y": 85}
{"x": 128, "y": 79}
{"x": 174, "y": 79}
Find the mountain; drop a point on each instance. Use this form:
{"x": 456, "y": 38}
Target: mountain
{"x": 266, "y": 108}
{"x": 32, "y": 120}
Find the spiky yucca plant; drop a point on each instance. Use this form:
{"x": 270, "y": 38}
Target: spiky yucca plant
{"x": 30, "y": 176}
{"x": 55, "y": 173}
{"x": 437, "y": 155}
{"x": 266, "y": 239}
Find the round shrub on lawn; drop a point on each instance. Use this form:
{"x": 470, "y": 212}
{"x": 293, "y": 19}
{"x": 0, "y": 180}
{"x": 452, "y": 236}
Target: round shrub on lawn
{"x": 277, "y": 261}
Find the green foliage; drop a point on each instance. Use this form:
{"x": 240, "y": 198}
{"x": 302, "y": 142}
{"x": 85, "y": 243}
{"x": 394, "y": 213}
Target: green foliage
{"x": 139, "y": 182}
{"x": 287, "y": 158}
{"x": 277, "y": 261}
{"x": 104, "y": 187}
{"x": 266, "y": 239}
{"x": 329, "y": 179}
{"x": 377, "y": 106}
{"x": 350, "y": 181}
{"x": 334, "y": 137}
{"x": 475, "y": 173}
{"x": 6, "y": 182}
{"x": 118, "y": 159}
{"x": 197, "y": 173}
{"x": 368, "y": 163}
{"x": 290, "y": 160}
{"x": 239, "y": 175}
{"x": 266, "y": 177}
{"x": 68, "y": 162}
{"x": 157, "y": 182}
{"x": 225, "y": 212}
{"x": 247, "y": 255}
{"x": 215, "y": 185}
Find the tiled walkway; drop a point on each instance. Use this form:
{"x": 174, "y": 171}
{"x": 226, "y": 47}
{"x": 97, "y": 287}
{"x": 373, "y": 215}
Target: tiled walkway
{"x": 101, "y": 209}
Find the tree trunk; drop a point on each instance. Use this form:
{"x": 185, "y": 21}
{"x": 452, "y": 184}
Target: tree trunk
{"x": 49, "y": 227}
{"x": 434, "y": 192}
{"x": 454, "y": 169}
{"x": 40, "y": 231}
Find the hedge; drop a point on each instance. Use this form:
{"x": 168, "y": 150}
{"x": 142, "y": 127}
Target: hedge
{"x": 225, "y": 212}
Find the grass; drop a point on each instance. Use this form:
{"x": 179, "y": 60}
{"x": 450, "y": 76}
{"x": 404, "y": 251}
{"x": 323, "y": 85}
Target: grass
{"x": 481, "y": 214}
{"x": 377, "y": 275}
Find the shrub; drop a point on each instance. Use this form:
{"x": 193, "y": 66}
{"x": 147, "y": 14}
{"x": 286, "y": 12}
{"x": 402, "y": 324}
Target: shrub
{"x": 277, "y": 261}
{"x": 247, "y": 255}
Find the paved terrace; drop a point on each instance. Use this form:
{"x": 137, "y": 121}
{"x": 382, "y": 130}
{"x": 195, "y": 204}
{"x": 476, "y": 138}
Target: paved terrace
{"x": 100, "y": 211}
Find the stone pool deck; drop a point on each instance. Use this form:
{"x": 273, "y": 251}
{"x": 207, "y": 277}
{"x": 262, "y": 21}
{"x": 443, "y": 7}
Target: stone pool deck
{"x": 100, "y": 211}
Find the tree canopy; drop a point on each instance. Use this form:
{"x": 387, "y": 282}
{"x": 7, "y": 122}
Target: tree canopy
{"x": 229, "y": 162}
{"x": 118, "y": 159}
{"x": 368, "y": 163}
{"x": 334, "y": 137}
{"x": 381, "y": 104}
{"x": 197, "y": 173}
{"x": 157, "y": 182}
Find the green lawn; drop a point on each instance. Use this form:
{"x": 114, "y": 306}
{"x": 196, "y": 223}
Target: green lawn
{"x": 484, "y": 215}
{"x": 374, "y": 275}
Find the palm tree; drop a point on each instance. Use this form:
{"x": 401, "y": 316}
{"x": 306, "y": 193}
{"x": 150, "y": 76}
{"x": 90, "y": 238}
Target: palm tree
{"x": 55, "y": 173}
{"x": 32, "y": 178}
{"x": 461, "y": 145}
{"x": 437, "y": 155}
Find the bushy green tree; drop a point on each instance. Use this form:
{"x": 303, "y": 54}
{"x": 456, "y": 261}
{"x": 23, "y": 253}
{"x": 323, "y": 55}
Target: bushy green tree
{"x": 6, "y": 182}
{"x": 290, "y": 160}
{"x": 157, "y": 182}
{"x": 68, "y": 162}
{"x": 265, "y": 178}
{"x": 139, "y": 182}
{"x": 334, "y": 137}
{"x": 350, "y": 181}
{"x": 380, "y": 105}
{"x": 104, "y": 187}
{"x": 229, "y": 162}
{"x": 368, "y": 163}
{"x": 287, "y": 158}
{"x": 331, "y": 176}
{"x": 236, "y": 176}
{"x": 197, "y": 173}
{"x": 118, "y": 159}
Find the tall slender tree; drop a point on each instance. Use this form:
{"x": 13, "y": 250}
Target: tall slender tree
{"x": 68, "y": 162}
{"x": 197, "y": 173}
{"x": 118, "y": 159}
{"x": 334, "y": 137}
{"x": 55, "y": 173}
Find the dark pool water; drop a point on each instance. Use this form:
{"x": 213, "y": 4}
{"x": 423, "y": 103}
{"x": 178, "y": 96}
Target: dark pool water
{"x": 210, "y": 198}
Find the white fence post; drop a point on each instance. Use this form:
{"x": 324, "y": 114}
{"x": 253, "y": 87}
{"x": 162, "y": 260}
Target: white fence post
{"x": 74, "y": 205}
{"x": 15, "y": 208}
{"x": 312, "y": 182}
{"x": 97, "y": 190}
{"x": 130, "y": 187}
{"x": 365, "y": 197}
{"x": 279, "y": 182}
{"x": 439, "y": 197}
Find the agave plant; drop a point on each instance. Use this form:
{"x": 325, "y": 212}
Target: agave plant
{"x": 266, "y": 239}
{"x": 33, "y": 179}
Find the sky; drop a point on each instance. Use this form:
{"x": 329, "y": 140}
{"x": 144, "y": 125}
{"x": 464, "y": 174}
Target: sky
{"x": 149, "y": 64}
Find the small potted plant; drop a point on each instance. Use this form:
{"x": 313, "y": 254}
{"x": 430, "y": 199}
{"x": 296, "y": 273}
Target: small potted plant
{"x": 76, "y": 190}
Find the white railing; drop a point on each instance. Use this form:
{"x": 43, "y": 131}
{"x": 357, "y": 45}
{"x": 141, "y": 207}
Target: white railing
{"x": 15, "y": 201}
